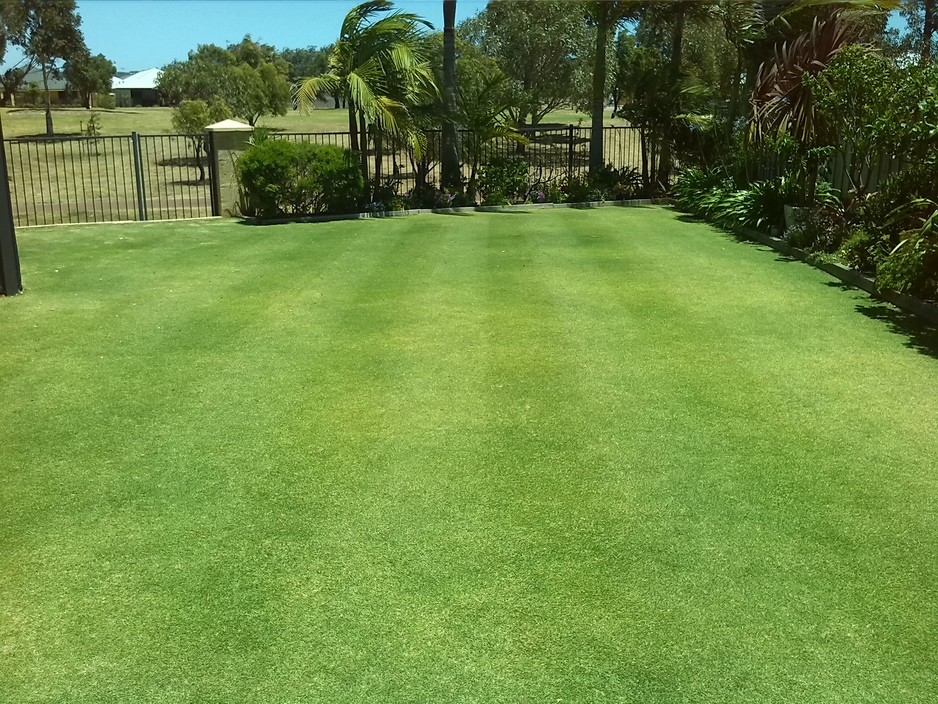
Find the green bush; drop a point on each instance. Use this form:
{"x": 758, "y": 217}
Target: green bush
{"x": 609, "y": 183}
{"x": 618, "y": 184}
{"x": 106, "y": 101}
{"x": 284, "y": 178}
{"x": 428, "y": 196}
{"x": 579, "y": 189}
{"x": 859, "y": 251}
{"x": 912, "y": 267}
{"x": 824, "y": 229}
{"x": 693, "y": 188}
{"x": 885, "y": 214}
{"x": 504, "y": 180}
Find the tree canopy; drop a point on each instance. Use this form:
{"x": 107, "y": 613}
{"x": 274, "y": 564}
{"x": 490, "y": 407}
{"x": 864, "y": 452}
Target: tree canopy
{"x": 48, "y": 32}
{"x": 90, "y": 75}
{"x": 251, "y": 78}
{"x": 539, "y": 46}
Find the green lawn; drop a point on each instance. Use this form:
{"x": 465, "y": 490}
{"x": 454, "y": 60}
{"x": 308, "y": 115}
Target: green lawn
{"x": 31, "y": 122}
{"x": 579, "y": 456}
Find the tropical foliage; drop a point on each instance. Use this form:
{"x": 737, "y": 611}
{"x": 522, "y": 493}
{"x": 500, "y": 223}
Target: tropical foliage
{"x": 378, "y": 67}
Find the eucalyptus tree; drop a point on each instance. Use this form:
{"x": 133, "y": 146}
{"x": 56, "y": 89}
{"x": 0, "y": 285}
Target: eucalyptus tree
{"x": 47, "y": 32}
{"x": 250, "y": 78}
{"x": 539, "y": 46}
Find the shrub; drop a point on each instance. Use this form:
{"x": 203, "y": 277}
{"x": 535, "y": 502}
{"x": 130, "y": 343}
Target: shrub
{"x": 885, "y": 214}
{"x": 912, "y": 267}
{"x": 691, "y": 188}
{"x": 609, "y": 183}
{"x": 504, "y": 180}
{"x": 767, "y": 204}
{"x": 859, "y": 251}
{"x": 427, "y": 196}
{"x": 824, "y": 229}
{"x": 617, "y": 184}
{"x": 285, "y": 178}
{"x": 578, "y": 189}
{"x": 106, "y": 101}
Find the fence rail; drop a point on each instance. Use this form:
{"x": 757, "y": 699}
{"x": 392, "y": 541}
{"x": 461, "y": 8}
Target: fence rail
{"x": 552, "y": 152}
{"x": 101, "y": 179}
{"x": 164, "y": 177}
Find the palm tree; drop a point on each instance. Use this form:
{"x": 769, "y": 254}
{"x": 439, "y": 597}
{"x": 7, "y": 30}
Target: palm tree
{"x": 452, "y": 171}
{"x": 606, "y": 14}
{"x": 743, "y": 26}
{"x": 678, "y": 11}
{"x": 484, "y": 111}
{"x": 928, "y": 29}
{"x": 378, "y": 67}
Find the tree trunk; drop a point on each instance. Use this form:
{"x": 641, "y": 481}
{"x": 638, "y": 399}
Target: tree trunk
{"x": 646, "y": 177}
{"x": 597, "y": 154}
{"x": 814, "y": 165}
{"x": 335, "y": 99}
{"x": 451, "y": 168}
{"x": 379, "y": 161}
{"x": 363, "y": 142}
{"x": 735, "y": 92}
{"x": 352, "y": 128}
{"x": 197, "y": 145}
{"x": 519, "y": 147}
{"x": 928, "y": 30}
{"x": 677, "y": 56}
{"x": 50, "y": 131}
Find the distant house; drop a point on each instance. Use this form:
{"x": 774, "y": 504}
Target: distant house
{"x": 31, "y": 91}
{"x": 137, "y": 89}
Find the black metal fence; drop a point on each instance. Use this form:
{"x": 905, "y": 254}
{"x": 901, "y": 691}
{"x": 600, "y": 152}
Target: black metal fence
{"x": 102, "y": 179}
{"x": 552, "y": 152}
{"x": 166, "y": 177}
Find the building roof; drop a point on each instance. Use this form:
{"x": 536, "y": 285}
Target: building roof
{"x": 35, "y": 76}
{"x": 142, "y": 80}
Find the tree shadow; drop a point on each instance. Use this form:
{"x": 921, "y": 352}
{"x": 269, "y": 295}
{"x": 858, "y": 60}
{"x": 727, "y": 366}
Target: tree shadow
{"x": 182, "y": 162}
{"x": 190, "y": 182}
{"x": 919, "y": 334}
{"x": 43, "y": 137}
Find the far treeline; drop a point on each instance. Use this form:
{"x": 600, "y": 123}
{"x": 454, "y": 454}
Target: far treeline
{"x": 666, "y": 67}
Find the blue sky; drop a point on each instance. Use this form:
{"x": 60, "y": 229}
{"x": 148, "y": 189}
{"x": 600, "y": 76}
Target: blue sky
{"x": 140, "y": 34}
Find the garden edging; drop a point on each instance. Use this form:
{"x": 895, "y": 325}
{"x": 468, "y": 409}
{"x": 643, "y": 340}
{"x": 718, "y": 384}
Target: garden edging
{"x": 849, "y": 276}
{"x": 450, "y": 211}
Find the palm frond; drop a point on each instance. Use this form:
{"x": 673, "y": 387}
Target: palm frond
{"x": 310, "y": 90}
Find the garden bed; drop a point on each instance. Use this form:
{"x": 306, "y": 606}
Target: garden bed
{"x": 452, "y": 211}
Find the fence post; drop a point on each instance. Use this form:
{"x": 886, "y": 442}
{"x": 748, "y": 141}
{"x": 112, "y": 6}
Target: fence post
{"x": 570, "y": 151}
{"x": 228, "y": 139}
{"x": 138, "y": 177}
{"x": 214, "y": 183}
{"x": 11, "y": 281}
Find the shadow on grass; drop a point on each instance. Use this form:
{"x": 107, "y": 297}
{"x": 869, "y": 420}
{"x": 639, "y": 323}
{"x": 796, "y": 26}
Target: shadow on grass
{"x": 920, "y": 335}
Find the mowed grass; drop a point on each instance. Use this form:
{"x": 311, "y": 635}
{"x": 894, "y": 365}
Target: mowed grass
{"x": 581, "y": 456}
{"x": 31, "y": 122}
{"x": 79, "y": 181}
